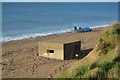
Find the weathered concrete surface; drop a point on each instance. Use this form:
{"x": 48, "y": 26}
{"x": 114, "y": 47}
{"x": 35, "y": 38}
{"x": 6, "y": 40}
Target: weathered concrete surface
{"x": 63, "y": 51}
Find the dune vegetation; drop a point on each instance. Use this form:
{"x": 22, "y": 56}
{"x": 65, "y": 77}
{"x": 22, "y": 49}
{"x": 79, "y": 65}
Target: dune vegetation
{"x": 108, "y": 63}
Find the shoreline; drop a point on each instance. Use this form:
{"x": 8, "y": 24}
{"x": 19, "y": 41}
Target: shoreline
{"x": 49, "y": 35}
{"x": 35, "y": 35}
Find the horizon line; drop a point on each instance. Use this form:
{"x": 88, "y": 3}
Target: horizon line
{"x": 59, "y": 1}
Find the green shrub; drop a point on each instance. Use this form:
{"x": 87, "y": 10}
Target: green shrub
{"x": 81, "y": 71}
{"x": 106, "y": 66}
{"x": 65, "y": 74}
{"x": 113, "y": 29}
{"x": 109, "y": 38}
{"x": 101, "y": 40}
{"x": 105, "y": 47}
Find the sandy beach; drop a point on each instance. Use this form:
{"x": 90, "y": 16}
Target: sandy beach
{"x": 20, "y": 60}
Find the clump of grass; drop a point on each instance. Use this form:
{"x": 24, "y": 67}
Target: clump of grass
{"x": 109, "y": 38}
{"x": 108, "y": 69}
{"x": 114, "y": 72}
{"x": 65, "y": 74}
{"x": 104, "y": 71}
{"x": 81, "y": 71}
{"x": 106, "y": 46}
{"x": 106, "y": 66}
{"x": 99, "y": 74}
{"x": 78, "y": 73}
{"x": 113, "y": 30}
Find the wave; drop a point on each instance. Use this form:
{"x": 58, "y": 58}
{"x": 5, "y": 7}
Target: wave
{"x": 34, "y": 35}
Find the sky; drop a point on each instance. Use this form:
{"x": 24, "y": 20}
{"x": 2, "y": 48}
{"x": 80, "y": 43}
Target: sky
{"x": 60, "y": 0}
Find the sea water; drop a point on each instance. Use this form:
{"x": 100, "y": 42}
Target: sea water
{"x": 33, "y": 19}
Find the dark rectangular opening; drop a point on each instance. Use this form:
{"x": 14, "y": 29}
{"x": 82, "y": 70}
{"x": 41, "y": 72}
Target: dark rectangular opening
{"x": 50, "y": 51}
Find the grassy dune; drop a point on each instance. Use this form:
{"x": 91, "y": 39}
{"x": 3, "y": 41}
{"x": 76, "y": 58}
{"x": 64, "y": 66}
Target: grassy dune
{"x": 103, "y": 61}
